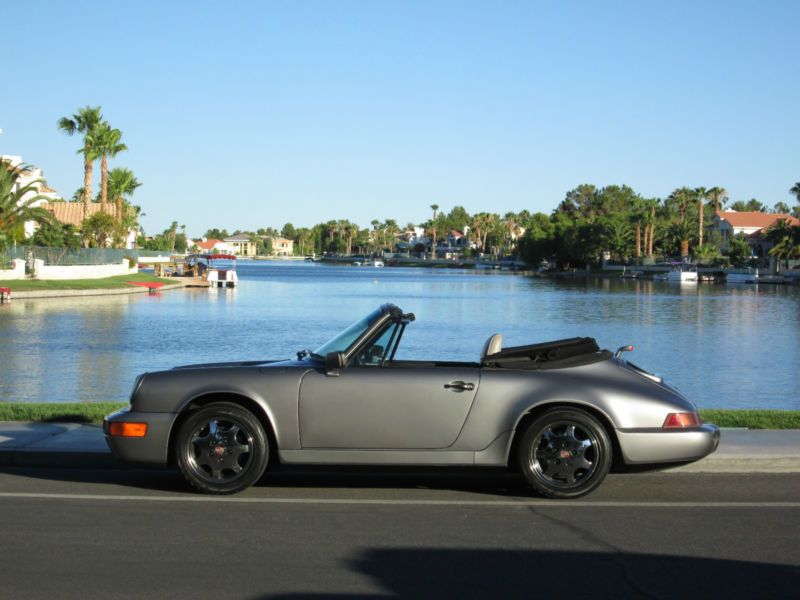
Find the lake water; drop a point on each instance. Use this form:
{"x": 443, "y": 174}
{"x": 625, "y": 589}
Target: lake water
{"x": 724, "y": 346}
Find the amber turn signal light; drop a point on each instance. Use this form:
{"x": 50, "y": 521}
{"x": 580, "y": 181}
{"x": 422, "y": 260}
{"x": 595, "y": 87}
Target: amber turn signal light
{"x": 122, "y": 429}
{"x": 679, "y": 420}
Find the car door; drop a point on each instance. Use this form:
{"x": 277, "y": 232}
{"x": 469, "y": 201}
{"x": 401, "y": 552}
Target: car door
{"x": 414, "y": 406}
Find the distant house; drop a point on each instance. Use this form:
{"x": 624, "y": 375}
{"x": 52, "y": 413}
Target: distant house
{"x": 407, "y": 240}
{"x": 213, "y": 246}
{"x": 459, "y": 239}
{"x": 242, "y": 245}
{"x": 752, "y": 224}
{"x": 282, "y": 246}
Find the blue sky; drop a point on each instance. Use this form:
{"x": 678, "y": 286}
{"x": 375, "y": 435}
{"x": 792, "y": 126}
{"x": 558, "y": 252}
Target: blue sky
{"x": 251, "y": 114}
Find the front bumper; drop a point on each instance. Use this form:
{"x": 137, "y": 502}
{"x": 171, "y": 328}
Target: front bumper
{"x": 643, "y": 446}
{"x": 153, "y": 448}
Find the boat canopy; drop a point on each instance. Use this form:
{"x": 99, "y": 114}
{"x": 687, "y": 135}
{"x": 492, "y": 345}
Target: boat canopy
{"x": 213, "y": 256}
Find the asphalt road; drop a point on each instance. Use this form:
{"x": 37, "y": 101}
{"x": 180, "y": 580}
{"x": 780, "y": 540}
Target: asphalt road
{"x": 325, "y": 534}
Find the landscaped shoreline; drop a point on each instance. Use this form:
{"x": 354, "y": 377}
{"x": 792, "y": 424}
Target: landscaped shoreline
{"x": 118, "y": 284}
{"x": 93, "y": 412}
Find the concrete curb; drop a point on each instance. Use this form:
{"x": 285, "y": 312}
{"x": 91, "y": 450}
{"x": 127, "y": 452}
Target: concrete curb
{"x": 85, "y": 293}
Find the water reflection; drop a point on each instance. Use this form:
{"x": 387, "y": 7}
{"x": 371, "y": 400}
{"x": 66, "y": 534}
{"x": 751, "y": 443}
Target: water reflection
{"x": 732, "y": 346}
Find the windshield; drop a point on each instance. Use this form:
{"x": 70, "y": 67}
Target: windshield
{"x": 347, "y": 337}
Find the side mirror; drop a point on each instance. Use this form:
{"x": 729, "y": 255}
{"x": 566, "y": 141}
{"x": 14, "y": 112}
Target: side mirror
{"x": 333, "y": 362}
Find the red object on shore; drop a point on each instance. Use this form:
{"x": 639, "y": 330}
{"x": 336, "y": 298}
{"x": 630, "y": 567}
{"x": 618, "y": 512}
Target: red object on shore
{"x": 5, "y": 294}
{"x": 152, "y": 286}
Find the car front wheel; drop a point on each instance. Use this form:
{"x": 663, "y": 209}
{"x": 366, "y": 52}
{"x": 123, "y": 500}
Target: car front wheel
{"x": 565, "y": 453}
{"x": 222, "y": 449}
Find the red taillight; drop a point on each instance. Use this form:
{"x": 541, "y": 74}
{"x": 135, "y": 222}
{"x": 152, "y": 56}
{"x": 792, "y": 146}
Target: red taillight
{"x": 685, "y": 419}
{"x": 123, "y": 429}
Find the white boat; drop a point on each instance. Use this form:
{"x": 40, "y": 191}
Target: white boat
{"x": 377, "y": 263}
{"x": 217, "y": 277}
{"x": 742, "y": 276}
{"x": 683, "y": 274}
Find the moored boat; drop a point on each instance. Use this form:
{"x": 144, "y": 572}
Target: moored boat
{"x": 742, "y": 276}
{"x": 683, "y": 274}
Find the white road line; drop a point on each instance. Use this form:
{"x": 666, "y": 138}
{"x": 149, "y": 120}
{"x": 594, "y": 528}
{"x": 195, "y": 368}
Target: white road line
{"x": 410, "y": 502}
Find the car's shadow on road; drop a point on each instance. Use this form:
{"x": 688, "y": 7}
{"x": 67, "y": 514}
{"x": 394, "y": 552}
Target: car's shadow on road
{"x": 497, "y": 483}
{"x": 488, "y": 573}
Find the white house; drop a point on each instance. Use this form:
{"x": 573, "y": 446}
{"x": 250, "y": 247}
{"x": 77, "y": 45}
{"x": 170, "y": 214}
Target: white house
{"x": 750, "y": 223}
{"x": 282, "y": 246}
{"x": 213, "y": 246}
{"x": 242, "y": 245}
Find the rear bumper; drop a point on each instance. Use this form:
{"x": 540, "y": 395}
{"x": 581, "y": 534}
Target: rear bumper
{"x": 153, "y": 448}
{"x": 644, "y": 446}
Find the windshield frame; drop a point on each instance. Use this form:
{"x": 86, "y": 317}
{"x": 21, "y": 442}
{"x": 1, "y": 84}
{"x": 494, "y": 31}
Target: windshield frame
{"x": 350, "y": 337}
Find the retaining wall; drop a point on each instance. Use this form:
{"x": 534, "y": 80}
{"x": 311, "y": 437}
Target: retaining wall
{"x": 81, "y": 271}
{"x": 17, "y": 272}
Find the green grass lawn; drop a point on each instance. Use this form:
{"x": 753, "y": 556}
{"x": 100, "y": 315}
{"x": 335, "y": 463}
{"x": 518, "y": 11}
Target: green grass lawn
{"x": 753, "y": 419}
{"x": 93, "y": 412}
{"x": 118, "y": 281}
{"x": 70, "y": 412}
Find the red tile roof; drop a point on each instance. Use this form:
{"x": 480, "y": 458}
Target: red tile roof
{"x": 71, "y": 213}
{"x": 754, "y": 219}
{"x": 208, "y": 244}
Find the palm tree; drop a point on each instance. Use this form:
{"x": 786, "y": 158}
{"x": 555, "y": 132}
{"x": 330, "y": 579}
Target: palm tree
{"x": 650, "y": 223}
{"x": 85, "y": 121}
{"x": 121, "y": 183}
{"x": 15, "y": 208}
{"x": 795, "y": 190}
{"x": 511, "y": 229}
{"x": 682, "y": 232}
{"x": 435, "y": 207}
{"x": 391, "y": 229}
{"x": 788, "y": 247}
{"x": 375, "y": 223}
{"x": 637, "y": 217}
{"x": 617, "y": 237}
{"x": 700, "y": 193}
{"x": 680, "y": 199}
{"x": 780, "y": 229}
{"x": 717, "y": 198}
{"x": 107, "y": 144}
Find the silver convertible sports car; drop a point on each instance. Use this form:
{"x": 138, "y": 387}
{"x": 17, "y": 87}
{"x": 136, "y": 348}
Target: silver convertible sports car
{"x": 561, "y": 412}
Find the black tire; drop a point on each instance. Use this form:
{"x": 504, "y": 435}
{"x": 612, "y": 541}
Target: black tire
{"x": 565, "y": 453}
{"x": 222, "y": 448}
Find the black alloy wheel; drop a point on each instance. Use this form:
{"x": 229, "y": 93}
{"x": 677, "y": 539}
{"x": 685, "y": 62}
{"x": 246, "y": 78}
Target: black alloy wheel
{"x": 222, "y": 449}
{"x": 565, "y": 453}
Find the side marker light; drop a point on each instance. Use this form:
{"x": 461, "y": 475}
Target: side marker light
{"x": 122, "y": 429}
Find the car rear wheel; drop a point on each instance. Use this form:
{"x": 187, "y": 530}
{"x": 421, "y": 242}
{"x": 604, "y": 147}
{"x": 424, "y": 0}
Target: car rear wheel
{"x": 222, "y": 449}
{"x": 565, "y": 453}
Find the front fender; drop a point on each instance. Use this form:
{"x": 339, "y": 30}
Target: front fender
{"x": 274, "y": 390}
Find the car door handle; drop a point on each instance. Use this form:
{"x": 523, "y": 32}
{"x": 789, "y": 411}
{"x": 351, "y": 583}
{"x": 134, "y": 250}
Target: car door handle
{"x": 459, "y": 386}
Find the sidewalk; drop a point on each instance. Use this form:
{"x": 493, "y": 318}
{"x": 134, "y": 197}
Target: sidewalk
{"x": 76, "y": 445}
{"x": 54, "y": 445}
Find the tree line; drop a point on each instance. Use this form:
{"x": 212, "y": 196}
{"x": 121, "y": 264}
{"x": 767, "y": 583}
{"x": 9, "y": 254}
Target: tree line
{"x": 588, "y": 223}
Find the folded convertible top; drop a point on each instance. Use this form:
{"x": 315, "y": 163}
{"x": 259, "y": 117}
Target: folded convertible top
{"x": 570, "y": 352}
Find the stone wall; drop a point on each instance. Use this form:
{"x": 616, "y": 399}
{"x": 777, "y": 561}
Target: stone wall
{"x": 16, "y": 272}
{"x": 81, "y": 271}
